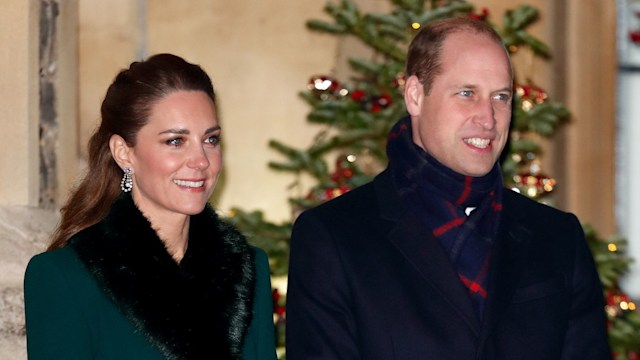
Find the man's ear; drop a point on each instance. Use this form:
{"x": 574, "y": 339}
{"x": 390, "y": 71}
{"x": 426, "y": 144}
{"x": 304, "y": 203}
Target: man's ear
{"x": 120, "y": 151}
{"x": 413, "y": 95}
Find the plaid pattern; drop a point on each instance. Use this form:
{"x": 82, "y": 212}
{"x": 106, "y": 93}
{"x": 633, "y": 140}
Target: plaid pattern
{"x": 442, "y": 195}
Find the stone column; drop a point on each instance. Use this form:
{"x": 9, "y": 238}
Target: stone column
{"x": 58, "y": 100}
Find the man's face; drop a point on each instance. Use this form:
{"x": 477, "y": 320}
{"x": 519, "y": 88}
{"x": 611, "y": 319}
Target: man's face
{"x": 464, "y": 120}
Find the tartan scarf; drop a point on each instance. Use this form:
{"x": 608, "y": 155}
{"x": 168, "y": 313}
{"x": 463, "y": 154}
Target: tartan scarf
{"x": 441, "y": 196}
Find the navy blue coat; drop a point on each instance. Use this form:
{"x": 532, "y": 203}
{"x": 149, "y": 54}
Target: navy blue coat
{"x": 367, "y": 282}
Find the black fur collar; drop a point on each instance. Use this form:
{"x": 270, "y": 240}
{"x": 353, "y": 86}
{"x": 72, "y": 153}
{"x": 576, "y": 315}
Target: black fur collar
{"x": 200, "y": 308}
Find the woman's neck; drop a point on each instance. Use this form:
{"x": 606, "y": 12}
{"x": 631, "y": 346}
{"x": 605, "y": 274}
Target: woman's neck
{"x": 175, "y": 235}
{"x": 172, "y": 228}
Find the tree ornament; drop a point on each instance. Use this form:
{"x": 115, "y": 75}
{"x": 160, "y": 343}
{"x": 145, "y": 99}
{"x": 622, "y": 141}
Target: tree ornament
{"x": 618, "y": 303}
{"x": 533, "y": 185}
{"x": 279, "y": 314}
{"x": 325, "y": 87}
{"x": 333, "y": 193}
{"x": 344, "y": 170}
{"x": 634, "y": 35}
{"x": 378, "y": 103}
{"x": 399, "y": 80}
{"x": 481, "y": 16}
{"x": 530, "y": 95}
{"x": 359, "y": 95}
{"x": 278, "y": 303}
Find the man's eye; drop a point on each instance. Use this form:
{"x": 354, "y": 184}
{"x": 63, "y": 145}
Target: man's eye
{"x": 466, "y": 92}
{"x": 503, "y": 97}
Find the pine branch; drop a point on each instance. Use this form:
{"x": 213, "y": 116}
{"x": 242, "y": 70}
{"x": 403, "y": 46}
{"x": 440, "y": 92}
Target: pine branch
{"x": 514, "y": 32}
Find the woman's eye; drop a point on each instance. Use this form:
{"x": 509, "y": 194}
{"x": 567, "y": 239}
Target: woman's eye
{"x": 213, "y": 140}
{"x": 174, "y": 142}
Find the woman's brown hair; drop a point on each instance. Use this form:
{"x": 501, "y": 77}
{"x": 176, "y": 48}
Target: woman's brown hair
{"x": 124, "y": 111}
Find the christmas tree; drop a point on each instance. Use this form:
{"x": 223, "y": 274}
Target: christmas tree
{"x": 355, "y": 116}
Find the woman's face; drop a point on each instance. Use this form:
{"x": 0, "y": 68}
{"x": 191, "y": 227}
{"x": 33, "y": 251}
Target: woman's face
{"x": 177, "y": 157}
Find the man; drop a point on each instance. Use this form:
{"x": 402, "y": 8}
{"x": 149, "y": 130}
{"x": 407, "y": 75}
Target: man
{"x": 435, "y": 259}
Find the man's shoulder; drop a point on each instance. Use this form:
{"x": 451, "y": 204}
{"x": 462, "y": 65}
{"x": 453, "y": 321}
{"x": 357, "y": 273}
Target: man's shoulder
{"x": 536, "y": 216}
{"x": 361, "y": 199}
{"x": 356, "y": 208}
{"x": 518, "y": 203}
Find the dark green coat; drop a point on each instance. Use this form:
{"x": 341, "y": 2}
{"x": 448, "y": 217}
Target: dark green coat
{"x": 115, "y": 293}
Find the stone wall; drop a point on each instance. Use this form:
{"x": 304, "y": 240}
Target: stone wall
{"x": 24, "y": 231}
{"x": 49, "y": 11}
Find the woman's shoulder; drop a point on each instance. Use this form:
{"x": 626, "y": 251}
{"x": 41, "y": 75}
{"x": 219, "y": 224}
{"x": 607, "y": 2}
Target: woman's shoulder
{"x": 58, "y": 259}
{"x": 60, "y": 265}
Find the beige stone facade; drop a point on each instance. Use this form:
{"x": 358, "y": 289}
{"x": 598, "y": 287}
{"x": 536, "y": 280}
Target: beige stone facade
{"x": 19, "y": 102}
{"x": 260, "y": 55}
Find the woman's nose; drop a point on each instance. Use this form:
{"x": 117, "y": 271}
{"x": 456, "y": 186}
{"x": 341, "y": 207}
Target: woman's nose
{"x": 198, "y": 158}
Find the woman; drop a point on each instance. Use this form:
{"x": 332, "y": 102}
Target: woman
{"x": 140, "y": 266}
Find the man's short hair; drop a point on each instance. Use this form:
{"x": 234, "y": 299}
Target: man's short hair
{"x": 425, "y": 50}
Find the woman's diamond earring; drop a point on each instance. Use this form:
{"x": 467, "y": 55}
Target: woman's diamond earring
{"x": 127, "y": 181}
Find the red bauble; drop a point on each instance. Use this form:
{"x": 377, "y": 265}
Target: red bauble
{"x": 359, "y": 95}
{"x": 380, "y": 102}
{"x": 482, "y": 16}
{"x": 343, "y": 171}
{"x": 615, "y": 297}
{"x": 342, "y": 174}
{"x": 635, "y": 36}
{"x": 383, "y": 100}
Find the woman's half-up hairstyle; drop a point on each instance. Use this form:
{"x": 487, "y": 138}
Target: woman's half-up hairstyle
{"x": 124, "y": 111}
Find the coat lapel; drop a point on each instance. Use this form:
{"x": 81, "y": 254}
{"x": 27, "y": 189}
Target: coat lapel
{"x": 509, "y": 254}
{"x": 422, "y": 250}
